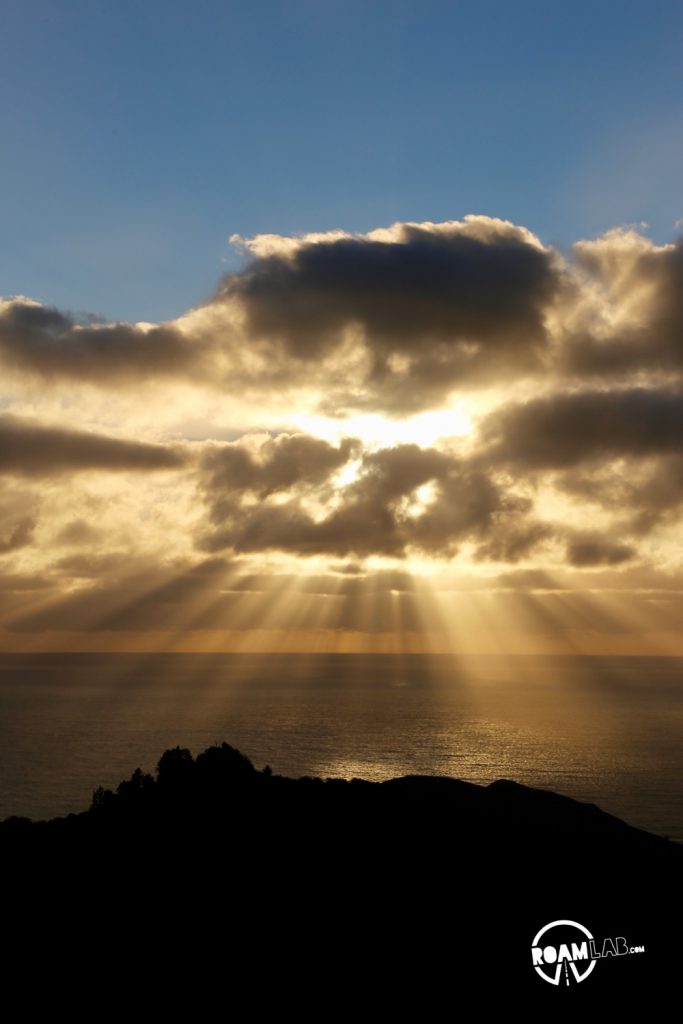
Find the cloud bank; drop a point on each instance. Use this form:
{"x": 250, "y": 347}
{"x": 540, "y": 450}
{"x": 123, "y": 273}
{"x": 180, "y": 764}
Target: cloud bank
{"x": 235, "y": 435}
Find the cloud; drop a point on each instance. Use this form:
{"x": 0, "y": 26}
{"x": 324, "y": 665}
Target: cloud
{"x": 402, "y": 498}
{"x": 645, "y": 494}
{"x": 16, "y": 534}
{"x": 481, "y": 281}
{"x": 18, "y": 519}
{"x": 515, "y": 537}
{"x": 656, "y": 496}
{"x": 28, "y": 448}
{"x": 44, "y": 342}
{"x": 627, "y": 313}
{"x": 266, "y": 465}
{"x": 562, "y": 430}
{"x": 568, "y": 369}
{"x": 394, "y": 319}
{"x": 431, "y": 305}
{"x": 91, "y": 565}
{"x": 618, "y": 450}
{"x": 589, "y": 550}
{"x": 78, "y": 532}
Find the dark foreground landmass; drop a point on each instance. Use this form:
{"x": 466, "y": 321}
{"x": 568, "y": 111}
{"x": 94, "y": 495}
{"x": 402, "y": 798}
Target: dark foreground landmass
{"x": 312, "y": 894}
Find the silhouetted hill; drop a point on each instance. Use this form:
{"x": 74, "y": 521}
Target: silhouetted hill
{"x": 445, "y": 880}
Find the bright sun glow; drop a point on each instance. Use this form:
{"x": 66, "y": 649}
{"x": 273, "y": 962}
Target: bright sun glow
{"x": 373, "y": 429}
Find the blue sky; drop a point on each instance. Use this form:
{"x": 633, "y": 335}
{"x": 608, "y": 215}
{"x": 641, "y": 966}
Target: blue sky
{"x": 137, "y": 137}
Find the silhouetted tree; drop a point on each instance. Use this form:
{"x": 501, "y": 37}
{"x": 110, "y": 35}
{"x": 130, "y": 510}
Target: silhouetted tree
{"x": 101, "y": 798}
{"x": 135, "y": 789}
{"x": 175, "y": 768}
{"x": 221, "y": 765}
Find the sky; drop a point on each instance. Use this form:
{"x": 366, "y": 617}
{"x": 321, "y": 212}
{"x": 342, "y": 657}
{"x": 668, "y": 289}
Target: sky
{"x": 328, "y": 327}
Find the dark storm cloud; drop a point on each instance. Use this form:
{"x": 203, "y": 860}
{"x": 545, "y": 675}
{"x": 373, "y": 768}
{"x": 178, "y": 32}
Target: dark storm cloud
{"x": 452, "y": 299}
{"x": 30, "y": 449}
{"x": 563, "y": 430}
{"x": 43, "y": 341}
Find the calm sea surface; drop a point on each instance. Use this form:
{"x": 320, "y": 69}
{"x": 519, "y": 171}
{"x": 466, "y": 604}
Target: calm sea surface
{"x": 604, "y": 730}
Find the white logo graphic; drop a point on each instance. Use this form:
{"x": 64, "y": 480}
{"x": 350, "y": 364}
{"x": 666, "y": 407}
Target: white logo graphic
{"x": 569, "y": 947}
{"x": 563, "y": 957}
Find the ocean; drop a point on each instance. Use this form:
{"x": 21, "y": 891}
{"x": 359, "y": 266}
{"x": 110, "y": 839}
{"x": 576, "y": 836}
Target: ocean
{"x": 604, "y": 730}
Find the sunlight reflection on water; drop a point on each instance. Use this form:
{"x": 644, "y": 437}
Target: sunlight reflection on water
{"x": 604, "y": 730}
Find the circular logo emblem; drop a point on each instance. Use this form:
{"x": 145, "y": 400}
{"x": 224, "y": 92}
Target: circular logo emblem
{"x": 560, "y": 952}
